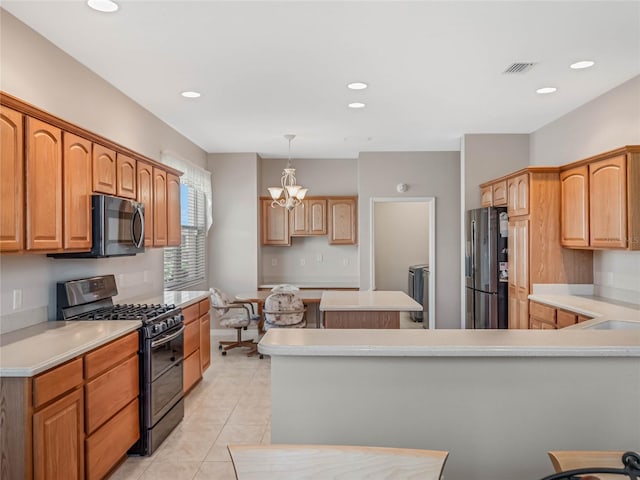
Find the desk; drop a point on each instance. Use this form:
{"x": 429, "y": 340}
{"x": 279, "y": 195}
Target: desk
{"x": 308, "y": 297}
{"x": 365, "y": 309}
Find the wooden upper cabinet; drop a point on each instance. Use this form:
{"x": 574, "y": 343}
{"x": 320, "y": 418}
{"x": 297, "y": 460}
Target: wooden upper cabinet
{"x": 574, "y": 207}
{"x": 309, "y": 218}
{"x": 342, "y": 220}
{"x": 608, "y": 202}
{"x": 486, "y": 196}
{"x": 174, "y": 229}
{"x": 126, "y": 176}
{"x": 518, "y": 195}
{"x": 499, "y": 191}
{"x": 104, "y": 170}
{"x": 274, "y": 224}
{"x": 145, "y": 196}
{"x": 77, "y": 186}
{"x": 160, "y": 207}
{"x": 11, "y": 180}
{"x": 43, "y": 186}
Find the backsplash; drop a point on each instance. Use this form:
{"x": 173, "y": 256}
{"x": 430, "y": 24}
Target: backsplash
{"x": 616, "y": 275}
{"x": 31, "y": 281}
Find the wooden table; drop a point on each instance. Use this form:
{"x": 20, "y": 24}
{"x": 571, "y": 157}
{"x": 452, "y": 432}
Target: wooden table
{"x": 365, "y": 308}
{"x": 308, "y": 297}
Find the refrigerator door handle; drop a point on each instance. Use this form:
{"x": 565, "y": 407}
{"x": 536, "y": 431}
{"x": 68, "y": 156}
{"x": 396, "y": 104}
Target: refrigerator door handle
{"x": 473, "y": 249}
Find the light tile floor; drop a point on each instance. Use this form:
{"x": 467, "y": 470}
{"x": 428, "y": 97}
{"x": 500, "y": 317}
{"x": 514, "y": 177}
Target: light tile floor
{"x": 232, "y": 404}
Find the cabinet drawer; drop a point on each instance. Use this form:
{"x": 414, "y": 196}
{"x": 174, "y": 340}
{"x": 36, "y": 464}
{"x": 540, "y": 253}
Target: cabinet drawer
{"x": 103, "y": 358}
{"x": 56, "y": 381}
{"x": 192, "y": 372}
{"x": 108, "y": 393}
{"x": 565, "y": 319}
{"x": 191, "y": 338}
{"x": 204, "y": 306}
{"x": 105, "y": 447}
{"x": 191, "y": 313}
{"x": 542, "y": 312}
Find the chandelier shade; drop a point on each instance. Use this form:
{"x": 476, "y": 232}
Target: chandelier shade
{"x": 289, "y": 195}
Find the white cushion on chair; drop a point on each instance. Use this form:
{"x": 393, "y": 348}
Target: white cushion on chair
{"x": 241, "y": 319}
{"x": 283, "y": 309}
{"x": 219, "y": 299}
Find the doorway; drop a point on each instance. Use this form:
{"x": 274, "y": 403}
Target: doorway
{"x": 403, "y": 234}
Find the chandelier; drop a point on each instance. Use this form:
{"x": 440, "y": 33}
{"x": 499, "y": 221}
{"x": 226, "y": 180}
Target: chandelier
{"x": 289, "y": 195}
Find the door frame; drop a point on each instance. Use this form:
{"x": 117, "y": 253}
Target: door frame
{"x": 431, "y": 206}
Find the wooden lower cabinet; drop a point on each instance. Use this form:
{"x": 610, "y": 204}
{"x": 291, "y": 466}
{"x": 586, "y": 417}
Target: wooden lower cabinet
{"x": 546, "y": 317}
{"x": 62, "y": 424}
{"x": 110, "y": 443}
{"x": 58, "y": 439}
{"x": 197, "y": 342}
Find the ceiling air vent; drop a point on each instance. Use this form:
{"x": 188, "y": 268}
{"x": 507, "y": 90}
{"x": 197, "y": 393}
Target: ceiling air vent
{"x": 519, "y": 67}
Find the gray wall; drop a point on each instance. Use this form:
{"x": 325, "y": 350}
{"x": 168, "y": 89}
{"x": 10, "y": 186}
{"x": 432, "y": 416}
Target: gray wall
{"x": 428, "y": 174}
{"x": 607, "y": 122}
{"x": 36, "y": 71}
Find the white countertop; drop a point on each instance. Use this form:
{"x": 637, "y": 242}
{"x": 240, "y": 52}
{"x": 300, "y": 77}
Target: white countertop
{"x": 32, "y": 350}
{"x": 184, "y": 298}
{"x": 601, "y": 309}
{"x": 368, "y": 300}
{"x": 314, "y": 284}
{"x": 448, "y": 343}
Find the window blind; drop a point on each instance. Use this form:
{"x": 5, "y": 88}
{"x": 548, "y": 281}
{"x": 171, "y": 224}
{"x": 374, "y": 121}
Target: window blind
{"x": 185, "y": 266}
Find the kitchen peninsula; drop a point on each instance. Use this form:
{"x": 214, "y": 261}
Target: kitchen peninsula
{"x": 365, "y": 309}
{"x": 497, "y": 400}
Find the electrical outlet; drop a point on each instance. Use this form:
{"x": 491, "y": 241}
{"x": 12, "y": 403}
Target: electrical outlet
{"x": 274, "y": 262}
{"x": 345, "y": 261}
{"x": 319, "y": 257}
{"x": 303, "y": 262}
{"x": 17, "y": 299}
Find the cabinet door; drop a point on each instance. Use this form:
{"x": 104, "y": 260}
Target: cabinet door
{"x": 44, "y": 186}
{"x": 342, "y": 220}
{"x": 574, "y": 207}
{"x": 518, "y": 195}
{"x": 486, "y": 196}
{"x": 58, "y": 436}
{"x": 174, "y": 231}
{"x": 104, "y": 170}
{"x": 77, "y": 187}
{"x": 205, "y": 342}
{"x": 11, "y": 180}
{"x": 192, "y": 370}
{"x": 317, "y": 214}
{"x": 522, "y": 256}
{"x": 274, "y": 224}
{"x": 160, "y": 207}
{"x": 608, "y": 203}
{"x": 145, "y": 196}
{"x": 126, "y": 176}
{"x": 500, "y": 194}
{"x": 191, "y": 337}
{"x": 299, "y": 218}
{"x": 518, "y": 273}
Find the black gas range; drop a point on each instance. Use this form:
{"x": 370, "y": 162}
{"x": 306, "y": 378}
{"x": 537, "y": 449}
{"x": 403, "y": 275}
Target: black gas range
{"x": 161, "y": 351}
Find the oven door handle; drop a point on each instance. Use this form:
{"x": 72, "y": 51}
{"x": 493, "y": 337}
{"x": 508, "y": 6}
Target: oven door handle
{"x": 167, "y": 339}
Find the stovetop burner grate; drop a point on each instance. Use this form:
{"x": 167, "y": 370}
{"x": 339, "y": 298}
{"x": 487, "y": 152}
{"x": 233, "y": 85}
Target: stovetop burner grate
{"x": 147, "y": 313}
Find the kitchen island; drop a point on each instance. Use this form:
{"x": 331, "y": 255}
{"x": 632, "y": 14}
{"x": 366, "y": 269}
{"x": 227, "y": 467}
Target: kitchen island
{"x": 496, "y": 400}
{"x": 365, "y": 309}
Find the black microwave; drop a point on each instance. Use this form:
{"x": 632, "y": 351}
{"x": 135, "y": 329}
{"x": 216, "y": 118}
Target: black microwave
{"x": 117, "y": 226}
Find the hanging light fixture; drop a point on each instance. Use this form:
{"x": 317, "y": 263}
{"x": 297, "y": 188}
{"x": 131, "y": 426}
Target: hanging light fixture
{"x": 289, "y": 195}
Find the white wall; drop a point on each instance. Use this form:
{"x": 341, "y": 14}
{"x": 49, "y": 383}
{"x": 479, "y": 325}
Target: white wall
{"x": 401, "y": 240}
{"x": 36, "y": 71}
{"x": 490, "y": 156}
{"x": 607, "y": 122}
{"x": 311, "y": 259}
{"x": 428, "y": 174}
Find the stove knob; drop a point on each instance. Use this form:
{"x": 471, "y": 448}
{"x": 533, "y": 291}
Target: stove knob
{"x": 171, "y": 322}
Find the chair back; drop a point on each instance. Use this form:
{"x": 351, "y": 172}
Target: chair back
{"x": 594, "y": 465}
{"x": 219, "y": 300}
{"x": 285, "y": 287}
{"x": 283, "y": 309}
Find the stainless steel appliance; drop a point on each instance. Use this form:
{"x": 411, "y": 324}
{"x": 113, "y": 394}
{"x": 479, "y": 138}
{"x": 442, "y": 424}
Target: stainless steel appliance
{"x": 418, "y": 289}
{"x": 161, "y": 351}
{"x": 117, "y": 228}
{"x": 486, "y": 268}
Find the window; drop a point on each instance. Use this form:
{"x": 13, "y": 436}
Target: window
{"x": 185, "y": 266}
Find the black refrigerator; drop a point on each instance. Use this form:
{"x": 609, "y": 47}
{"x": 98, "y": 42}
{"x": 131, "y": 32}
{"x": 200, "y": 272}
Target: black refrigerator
{"x": 486, "y": 268}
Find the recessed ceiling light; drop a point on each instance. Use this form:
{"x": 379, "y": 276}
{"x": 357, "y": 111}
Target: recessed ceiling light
{"x": 582, "y": 64}
{"x": 357, "y": 86}
{"x": 106, "y": 6}
{"x": 544, "y": 90}
{"x": 189, "y": 94}
{"x": 357, "y": 105}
